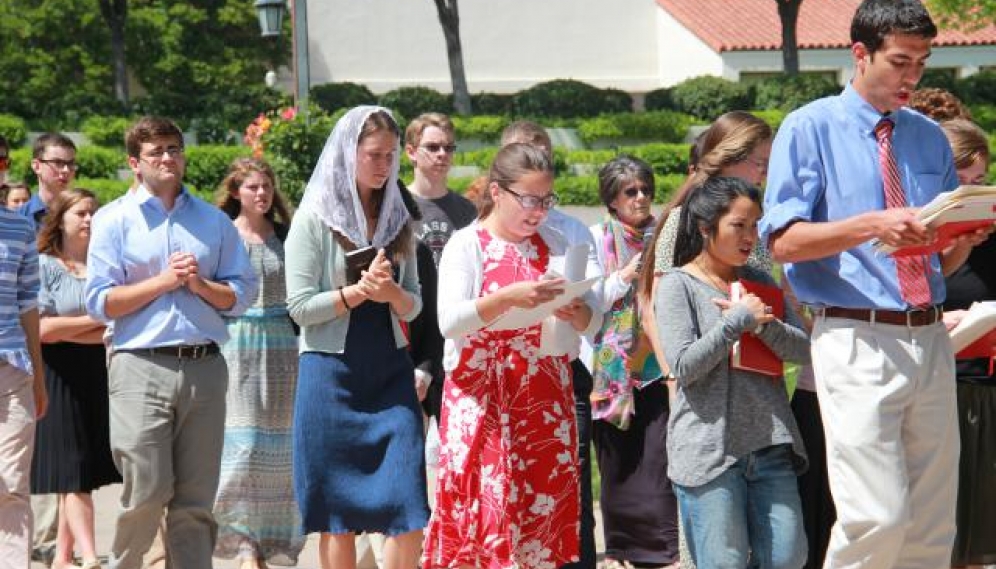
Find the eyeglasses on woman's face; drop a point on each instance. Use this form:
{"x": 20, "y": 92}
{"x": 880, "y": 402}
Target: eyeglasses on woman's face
{"x": 533, "y": 202}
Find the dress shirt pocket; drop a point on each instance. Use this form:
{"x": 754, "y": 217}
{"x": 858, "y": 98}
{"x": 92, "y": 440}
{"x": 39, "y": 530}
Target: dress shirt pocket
{"x": 925, "y": 187}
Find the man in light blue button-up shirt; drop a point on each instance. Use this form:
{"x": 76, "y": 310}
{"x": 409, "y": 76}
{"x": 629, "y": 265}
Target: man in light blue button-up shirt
{"x": 884, "y": 370}
{"x": 165, "y": 268}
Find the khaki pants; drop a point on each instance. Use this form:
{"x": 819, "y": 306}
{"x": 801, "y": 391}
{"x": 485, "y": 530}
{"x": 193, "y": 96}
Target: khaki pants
{"x": 167, "y": 418}
{"x": 17, "y": 440}
{"x": 887, "y": 395}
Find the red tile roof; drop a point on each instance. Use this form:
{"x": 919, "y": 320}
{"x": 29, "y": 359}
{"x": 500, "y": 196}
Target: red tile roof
{"x": 740, "y": 25}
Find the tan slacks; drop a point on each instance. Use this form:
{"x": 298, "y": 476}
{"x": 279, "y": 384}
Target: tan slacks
{"x": 17, "y": 441}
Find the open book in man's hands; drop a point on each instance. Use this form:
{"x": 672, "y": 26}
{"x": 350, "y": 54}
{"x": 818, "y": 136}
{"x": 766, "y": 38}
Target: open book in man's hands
{"x": 951, "y": 214}
{"x": 975, "y": 335}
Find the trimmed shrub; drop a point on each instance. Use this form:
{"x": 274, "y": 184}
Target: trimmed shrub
{"x": 977, "y": 89}
{"x": 567, "y": 98}
{"x": 100, "y": 162}
{"x": 292, "y": 147}
{"x": 481, "y": 158}
{"x": 665, "y": 158}
{"x": 106, "y": 131}
{"x": 208, "y": 164}
{"x": 20, "y": 166}
{"x": 938, "y": 78}
{"x": 334, "y": 96}
{"x": 107, "y": 190}
{"x": 707, "y": 97}
{"x": 773, "y": 117}
{"x": 599, "y": 128}
{"x": 789, "y": 93}
{"x": 658, "y": 100}
{"x": 984, "y": 116}
{"x": 617, "y": 99}
{"x": 481, "y": 127}
{"x": 413, "y": 101}
{"x": 14, "y": 129}
{"x": 492, "y": 103}
{"x": 663, "y": 126}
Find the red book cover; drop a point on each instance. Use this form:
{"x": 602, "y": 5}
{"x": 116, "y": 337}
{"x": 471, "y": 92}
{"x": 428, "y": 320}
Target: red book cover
{"x": 984, "y": 347}
{"x": 750, "y": 353}
{"x": 945, "y": 235}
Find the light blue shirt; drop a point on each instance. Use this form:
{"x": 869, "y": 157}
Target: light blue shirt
{"x": 19, "y": 284}
{"x": 824, "y": 167}
{"x": 132, "y": 242}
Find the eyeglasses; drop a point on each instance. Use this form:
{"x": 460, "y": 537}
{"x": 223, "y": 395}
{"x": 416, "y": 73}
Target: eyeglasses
{"x": 58, "y": 164}
{"x": 160, "y": 153}
{"x": 534, "y": 202}
{"x": 632, "y": 191}
{"x": 433, "y": 148}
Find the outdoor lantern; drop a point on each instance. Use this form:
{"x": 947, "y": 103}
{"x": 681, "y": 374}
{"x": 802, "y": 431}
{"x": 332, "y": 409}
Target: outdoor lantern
{"x": 271, "y": 15}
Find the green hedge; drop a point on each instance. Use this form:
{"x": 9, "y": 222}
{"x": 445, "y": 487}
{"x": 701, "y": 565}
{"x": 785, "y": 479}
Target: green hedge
{"x": 481, "y": 127}
{"x": 14, "y": 129}
{"x": 331, "y": 97}
{"x": 106, "y": 131}
{"x": 662, "y": 126}
{"x": 207, "y": 165}
{"x": 790, "y": 93}
{"x": 583, "y": 190}
{"x": 984, "y": 116}
{"x": 567, "y": 98}
{"x": 708, "y": 97}
{"x": 413, "y": 101}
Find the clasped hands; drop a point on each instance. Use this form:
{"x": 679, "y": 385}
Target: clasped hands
{"x": 377, "y": 282}
{"x": 182, "y": 270}
{"x": 753, "y": 303}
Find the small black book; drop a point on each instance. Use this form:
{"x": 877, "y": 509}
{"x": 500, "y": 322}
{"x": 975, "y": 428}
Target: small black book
{"x": 358, "y": 261}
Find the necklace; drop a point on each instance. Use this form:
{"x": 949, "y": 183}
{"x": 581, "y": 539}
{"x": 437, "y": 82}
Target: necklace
{"x": 74, "y": 269}
{"x": 717, "y": 282}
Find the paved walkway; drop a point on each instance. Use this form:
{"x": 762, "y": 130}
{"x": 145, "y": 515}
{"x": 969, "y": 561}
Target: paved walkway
{"x": 105, "y": 507}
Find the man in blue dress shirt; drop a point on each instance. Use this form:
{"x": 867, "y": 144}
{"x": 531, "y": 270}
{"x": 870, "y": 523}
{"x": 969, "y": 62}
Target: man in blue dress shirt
{"x": 165, "y": 267}
{"x": 53, "y": 160}
{"x": 883, "y": 361}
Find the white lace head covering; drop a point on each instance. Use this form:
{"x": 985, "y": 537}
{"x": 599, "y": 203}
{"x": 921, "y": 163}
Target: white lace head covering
{"x": 331, "y": 192}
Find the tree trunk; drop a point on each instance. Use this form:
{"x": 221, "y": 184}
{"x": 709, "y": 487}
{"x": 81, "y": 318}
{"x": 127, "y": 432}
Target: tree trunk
{"x": 449, "y": 18}
{"x": 788, "y": 12}
{"x": 115, "y": 13}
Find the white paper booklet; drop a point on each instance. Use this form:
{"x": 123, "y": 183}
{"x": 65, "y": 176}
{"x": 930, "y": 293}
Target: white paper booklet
{"x": 517, "y": 318}
{"x": 981, "y": 319}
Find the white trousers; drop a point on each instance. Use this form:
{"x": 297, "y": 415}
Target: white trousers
{"x": 887, "y": 394}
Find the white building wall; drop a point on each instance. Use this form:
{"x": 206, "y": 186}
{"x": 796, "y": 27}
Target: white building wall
{"x": 507, "y": 45}
{"x": 770, "y": 61}
{"x": 681, "y": 54}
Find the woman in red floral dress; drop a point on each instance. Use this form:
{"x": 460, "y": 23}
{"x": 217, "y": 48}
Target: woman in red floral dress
{"x": 507, "y": 492}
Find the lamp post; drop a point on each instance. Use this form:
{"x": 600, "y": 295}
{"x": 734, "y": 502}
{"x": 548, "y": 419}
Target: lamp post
{"x": 271, "y": 13}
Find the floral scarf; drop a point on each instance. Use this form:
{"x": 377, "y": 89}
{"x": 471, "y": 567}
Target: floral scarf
{"x": 623, "y": 356}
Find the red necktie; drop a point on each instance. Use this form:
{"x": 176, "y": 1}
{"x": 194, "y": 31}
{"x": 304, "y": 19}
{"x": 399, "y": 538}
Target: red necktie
{"x": 912, "y": 269}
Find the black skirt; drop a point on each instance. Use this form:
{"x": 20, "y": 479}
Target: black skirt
{"x": 975, "y": 543}
{"x": 72, "y": 441}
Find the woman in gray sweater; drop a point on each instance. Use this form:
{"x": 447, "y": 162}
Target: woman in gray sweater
{"x": 733, "y": 445}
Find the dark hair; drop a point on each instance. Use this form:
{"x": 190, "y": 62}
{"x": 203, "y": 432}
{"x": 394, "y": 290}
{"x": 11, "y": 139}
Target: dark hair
{"x": 702, "y": 211}
{"x": 876, "y": 19}
{"x": 51, "y": 139}
{"x": 729, "y": 139}
{"x": 512, "y": 162}
{"x": 50, "y": 237}
{"x": 238, "y": 173}
{"x": 147, "y": 128}
{"x": 938, "y": 104}
{"x": 403, "y": 243}
{"x": 8, "y": 187}
{"x": 617, "y": 172}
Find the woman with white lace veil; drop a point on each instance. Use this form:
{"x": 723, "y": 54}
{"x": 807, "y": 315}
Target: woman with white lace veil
{"x": 358, "y": 462}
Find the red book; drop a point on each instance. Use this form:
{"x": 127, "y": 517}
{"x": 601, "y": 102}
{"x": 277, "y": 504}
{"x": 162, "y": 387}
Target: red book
{"x": 749, "y": 353}
{"x": 950, "y": 215}
{"x": 975, "y": 335}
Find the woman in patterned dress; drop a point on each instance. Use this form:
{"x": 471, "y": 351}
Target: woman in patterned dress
{"x": 254, "y": 507}
{"x": 507, "y": 491}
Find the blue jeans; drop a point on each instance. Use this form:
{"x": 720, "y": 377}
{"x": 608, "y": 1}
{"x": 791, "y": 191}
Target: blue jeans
{"x": 751, "y": 513}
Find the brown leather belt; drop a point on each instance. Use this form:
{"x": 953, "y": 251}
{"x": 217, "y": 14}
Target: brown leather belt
{"x": 924, "y": 317}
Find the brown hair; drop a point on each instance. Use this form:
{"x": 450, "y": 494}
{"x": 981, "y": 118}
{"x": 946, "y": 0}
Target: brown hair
{"x": 413, "y": 134}
{"x": 729, "y": 140}
{"x": 512, "y": 162}
{"x": 969, "y": 143}
{"x": 238, "y": 173}
{"x": 51, "y": 139}
{"x": 50, "y": 238}
{"x": 938, "y": 104}
{"x": 526, "y": 132}
{"x": 403, "y": 243}
{"x": 8, "y": 187}
{"x": 147, "y": 128}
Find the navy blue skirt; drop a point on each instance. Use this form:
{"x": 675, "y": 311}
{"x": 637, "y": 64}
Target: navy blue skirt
{"x": 359, "y": 464}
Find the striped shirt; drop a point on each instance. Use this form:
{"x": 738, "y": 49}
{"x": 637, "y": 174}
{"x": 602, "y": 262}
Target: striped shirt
{"x": 18, "y": 286}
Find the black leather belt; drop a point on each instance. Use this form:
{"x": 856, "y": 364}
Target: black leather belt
{"x": 924, "y": 317}
{"x": 194, "y": 352}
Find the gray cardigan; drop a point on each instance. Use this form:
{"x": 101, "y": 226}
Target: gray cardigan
{"x": 720, "y": 415}
{"x": 316, "y": 268}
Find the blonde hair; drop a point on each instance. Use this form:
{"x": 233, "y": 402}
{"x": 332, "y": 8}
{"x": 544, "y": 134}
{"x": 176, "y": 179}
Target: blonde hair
{"x": 969, "y": 143}
{"x": 413, "y": 134}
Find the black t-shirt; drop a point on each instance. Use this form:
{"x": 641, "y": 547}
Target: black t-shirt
{"x": 440, "y": 218}
{"x": 974, "y": 281}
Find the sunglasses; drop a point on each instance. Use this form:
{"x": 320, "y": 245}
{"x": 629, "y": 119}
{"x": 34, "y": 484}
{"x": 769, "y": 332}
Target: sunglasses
{"x": 433, "y": 148}
{"x": 632, "y": 191}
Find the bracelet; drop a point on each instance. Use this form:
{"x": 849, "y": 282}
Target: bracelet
{"x": 342, "y": 296}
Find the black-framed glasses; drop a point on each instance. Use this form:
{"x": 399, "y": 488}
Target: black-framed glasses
{"x": 159, "y": 153}
{"x": 533, "y": 202}
{"x": 632, "y": 191}
{"x": 432, "y": 147}
{"x": 59, "y": 164}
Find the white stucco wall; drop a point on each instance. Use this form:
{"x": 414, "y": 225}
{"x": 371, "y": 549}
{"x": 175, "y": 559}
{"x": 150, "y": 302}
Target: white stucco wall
{"x": 507, "y": 45}
{"x": 837, "y": 60}
{"x": 681, "y": 54}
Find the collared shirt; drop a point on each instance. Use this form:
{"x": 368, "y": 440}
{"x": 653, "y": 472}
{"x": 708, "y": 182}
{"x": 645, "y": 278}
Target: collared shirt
{"x": 34, "y": 209}
{"x": 133, "y": 242}
{"x": 825, "y": 167}
{"x": 19, "y": 285}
